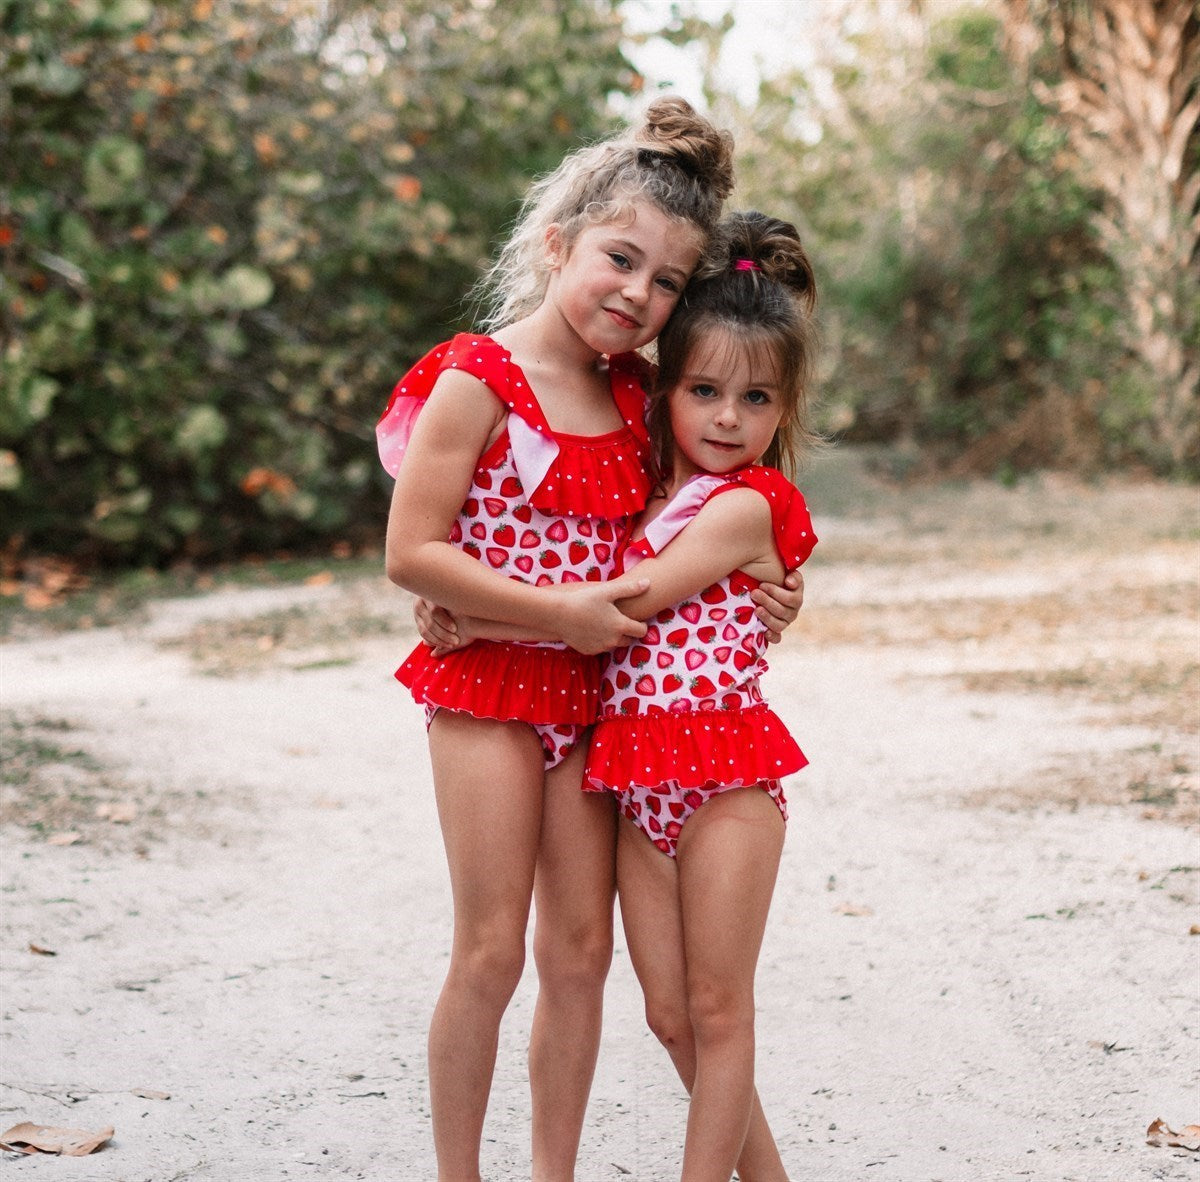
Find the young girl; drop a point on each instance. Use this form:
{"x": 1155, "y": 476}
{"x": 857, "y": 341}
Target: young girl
{"x": 685, "y": 740}
{"x": 523, "y": 456}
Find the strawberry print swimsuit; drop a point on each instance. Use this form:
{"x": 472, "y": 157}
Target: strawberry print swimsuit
{"x": 567, "y": 529}
{"x": 682, "y": 716}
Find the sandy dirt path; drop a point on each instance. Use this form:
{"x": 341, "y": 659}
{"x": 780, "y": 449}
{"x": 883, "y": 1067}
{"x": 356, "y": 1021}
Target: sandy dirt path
{"x": 978, "y": 966}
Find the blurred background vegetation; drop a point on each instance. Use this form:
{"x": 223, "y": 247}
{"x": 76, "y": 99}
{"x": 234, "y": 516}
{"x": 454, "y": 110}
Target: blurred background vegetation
{"x": 227, "y": 226}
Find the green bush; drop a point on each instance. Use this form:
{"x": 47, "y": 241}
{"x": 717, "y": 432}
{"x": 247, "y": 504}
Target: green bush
{"x": 227, "y": 227}
{"x": 968, "y": 304}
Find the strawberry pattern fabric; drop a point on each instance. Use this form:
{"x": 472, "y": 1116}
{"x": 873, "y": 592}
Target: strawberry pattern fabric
{"x": 567, "y": 530}
{"x": 682, "y": 715}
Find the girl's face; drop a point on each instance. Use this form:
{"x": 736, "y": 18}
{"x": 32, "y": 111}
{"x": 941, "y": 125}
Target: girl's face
{"x": 617, "y": 283}
{"x": 726, "y": 406}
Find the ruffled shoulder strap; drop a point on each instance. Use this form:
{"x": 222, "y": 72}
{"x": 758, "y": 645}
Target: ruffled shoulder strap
{"x": 688, "y": 500}
{"x": 409, "y": 395}
{"x": 559, "y": 476}
{"x": 790, "y": 522}
{"x": 477, "y": 355}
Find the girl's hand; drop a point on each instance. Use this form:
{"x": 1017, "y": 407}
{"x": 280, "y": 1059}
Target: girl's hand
{"x": 437, "y": 627}
{"x": 778, "y": 606}
{"x": 587, "y": 617}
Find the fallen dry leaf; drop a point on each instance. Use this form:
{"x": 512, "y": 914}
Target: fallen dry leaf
{"x": 64, "y": 838}
{"x": 321, "y": 579}
{"x": 37, "y": 600}
{"x": 1194, "y": 930}
{"x": 119, "y": 812}
{"x": 42, "y": 951}
{"x": 1162, "y": 1136}
{"x": 853, "y": 909}
{"x": 31, "y": 1138}
{"x": 150, "y": 1094}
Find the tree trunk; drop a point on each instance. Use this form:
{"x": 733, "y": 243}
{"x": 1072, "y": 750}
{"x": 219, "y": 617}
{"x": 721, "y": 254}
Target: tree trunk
{"x": 1127, "y": 85}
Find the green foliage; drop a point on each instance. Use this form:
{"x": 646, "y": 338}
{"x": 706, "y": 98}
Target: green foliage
{"x": 967, "y": 304}
{"x": 226, "y": 227}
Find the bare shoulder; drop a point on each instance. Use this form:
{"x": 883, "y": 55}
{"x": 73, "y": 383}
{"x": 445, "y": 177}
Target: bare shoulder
{"x": 464, "y": 405}
{"x": 741, "y": 518}
{"x": 455, "y": 385}
{"x": 738, "y": 508}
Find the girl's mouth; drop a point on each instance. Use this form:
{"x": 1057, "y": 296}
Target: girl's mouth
{"x": 622, "y": 320}
{"x": 720, "y": 446}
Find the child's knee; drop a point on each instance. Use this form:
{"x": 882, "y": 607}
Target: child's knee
{"x": 574, "y": 960}
{"x": 491, "y": 967}
{"x": 669, "y": 1021}
{"x": 717, "y": 1010}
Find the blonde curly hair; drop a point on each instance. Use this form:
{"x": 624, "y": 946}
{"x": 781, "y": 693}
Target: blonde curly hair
{"x": 676, "y": 159}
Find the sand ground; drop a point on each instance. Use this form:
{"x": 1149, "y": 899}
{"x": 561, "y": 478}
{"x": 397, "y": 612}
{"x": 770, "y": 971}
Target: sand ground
{"x": 981, "y": 962}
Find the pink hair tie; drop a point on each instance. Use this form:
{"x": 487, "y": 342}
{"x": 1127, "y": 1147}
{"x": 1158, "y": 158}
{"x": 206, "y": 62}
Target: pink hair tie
{"x": 746, "y": 265}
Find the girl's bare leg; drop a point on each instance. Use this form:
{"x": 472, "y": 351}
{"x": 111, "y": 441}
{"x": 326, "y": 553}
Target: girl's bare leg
{"x": 728, "y": 859}
{"x": 759, "y": 1160}
{"x": 488, "y": 779}
{"x": 653, "y": 923}
{"x": 573, "y": 941}
{"x": 648, "y": 884}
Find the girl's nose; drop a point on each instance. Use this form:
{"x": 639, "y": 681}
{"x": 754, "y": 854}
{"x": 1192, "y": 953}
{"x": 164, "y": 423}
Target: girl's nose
{"x": 637, "y": 288}
{"x": 726, "y": 414}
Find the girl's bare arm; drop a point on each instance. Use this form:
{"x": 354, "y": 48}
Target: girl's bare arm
{"x": 446, "y": 633}
{"x": 453, "y": 430}
{"x": 731, "y": 532}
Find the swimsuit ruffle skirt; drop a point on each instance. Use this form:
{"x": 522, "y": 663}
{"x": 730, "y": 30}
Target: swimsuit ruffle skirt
{"x": 682, "y": 709}
{"x": 542, "y": 508}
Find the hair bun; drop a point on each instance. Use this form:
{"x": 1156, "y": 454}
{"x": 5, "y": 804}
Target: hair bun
{"x": 754, "y": 241}
{"x": 675, "y": 129}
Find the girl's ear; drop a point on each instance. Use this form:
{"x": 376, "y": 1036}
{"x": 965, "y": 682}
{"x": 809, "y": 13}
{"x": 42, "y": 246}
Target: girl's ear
{"x": 556, "y": 249}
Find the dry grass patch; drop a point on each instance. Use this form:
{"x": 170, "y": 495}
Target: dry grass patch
{"x": 297, "y": 638}
{"x": 1161, "y": 694}
{"x": 977, "y": 620}
{"x": 1163, "y": 783}
{"x": 55, "y": 790}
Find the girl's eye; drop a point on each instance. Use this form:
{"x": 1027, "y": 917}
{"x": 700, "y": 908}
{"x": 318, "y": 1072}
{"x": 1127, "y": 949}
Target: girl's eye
{"x": 619, "y": 259}
{"x": 704, "y": 391}
{"x": 669, "y": 285}
{"x": 758, "y": 397}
